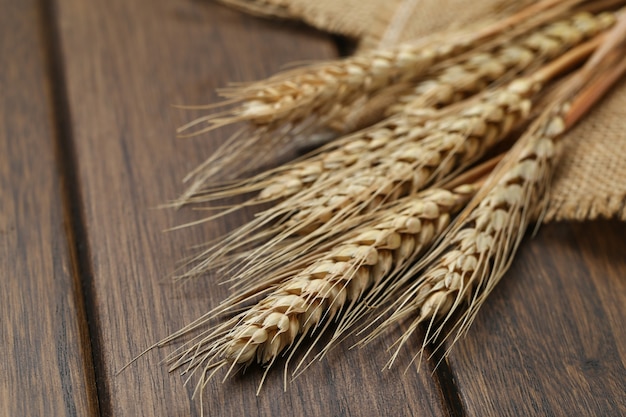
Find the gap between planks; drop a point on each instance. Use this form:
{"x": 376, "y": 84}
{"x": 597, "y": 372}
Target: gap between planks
{"x": 75, "y": 231}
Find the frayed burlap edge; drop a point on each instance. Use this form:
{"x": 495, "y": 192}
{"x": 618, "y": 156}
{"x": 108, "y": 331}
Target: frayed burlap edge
{"x": 590, "y": 181}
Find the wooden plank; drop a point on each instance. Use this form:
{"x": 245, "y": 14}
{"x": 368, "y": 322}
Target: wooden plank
{"x": 551, "y": 341}
{"x": 127, "y": 63}
{"x": 46, "y": 361}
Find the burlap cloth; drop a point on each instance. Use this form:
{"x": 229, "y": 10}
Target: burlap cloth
{"x": 591, "y": 179}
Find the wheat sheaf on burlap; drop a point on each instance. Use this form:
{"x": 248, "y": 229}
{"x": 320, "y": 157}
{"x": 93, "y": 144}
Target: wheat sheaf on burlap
{"x": 590, "y": 181}
{"x": 416, "y": 217}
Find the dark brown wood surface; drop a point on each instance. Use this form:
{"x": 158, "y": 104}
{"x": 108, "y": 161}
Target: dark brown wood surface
{"x": 550, "y": 341}
{"x": 91, "y": 88}
{"x": 45, "y": 364}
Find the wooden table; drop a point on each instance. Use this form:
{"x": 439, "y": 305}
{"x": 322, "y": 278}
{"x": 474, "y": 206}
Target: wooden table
{"x": 87, "y": 149}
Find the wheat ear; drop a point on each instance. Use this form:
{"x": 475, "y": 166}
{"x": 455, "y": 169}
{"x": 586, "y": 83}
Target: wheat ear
{"x": 291, "y": 105}
{"x": 451, "y": 85}
{"x": 331, "y": 282}
{"x": 470, "y": 261}
{"x": 479, "y": 251}
{"x": 403, "y": 166}
{"x": 288, "y": 103}
{"x": 480, "y": 69}
{"x": 471, "y": 72}
{"x": 290, "y": 95}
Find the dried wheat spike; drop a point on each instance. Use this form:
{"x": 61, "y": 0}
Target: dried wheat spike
{"x": 403, "y": 166}
{"x": 284, "y": 106}
{"x": 478, "y": 251}
{"x": 478, "y": 70}
{"x": 300, "y": 104}
{"x": 453, "y": 84}
{"x": 338, "y": 156}
{"x": 295, "y": 94}
{"x": 483, "y": 122}
{"x": 332, "y": 281}
{"x": 473, "y": 72}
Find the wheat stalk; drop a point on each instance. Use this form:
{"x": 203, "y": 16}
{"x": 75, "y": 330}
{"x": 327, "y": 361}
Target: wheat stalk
{"x": 357, "y": 270}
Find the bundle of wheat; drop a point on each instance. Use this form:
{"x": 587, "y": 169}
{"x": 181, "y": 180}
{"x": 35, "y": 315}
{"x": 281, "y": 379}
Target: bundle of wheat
{"x": 306, "y": 101}
{"x": 404, "y": 220}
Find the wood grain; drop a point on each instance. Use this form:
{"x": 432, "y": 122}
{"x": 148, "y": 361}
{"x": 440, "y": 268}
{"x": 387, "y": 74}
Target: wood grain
{"x": 126, "y": 64}
{"x": 551, "y": 341}
{"x": 46, "y": 363}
